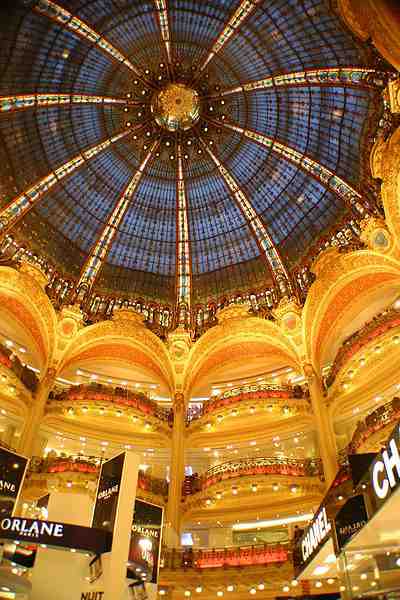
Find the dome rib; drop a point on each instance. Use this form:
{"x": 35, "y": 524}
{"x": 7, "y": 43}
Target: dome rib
{"x": 78, "y": 27}
{"x": 101, "y": 248}
{"x": 328, "y": 178}
{"x": 264, "y": 240}
{"x": 24, "y": 202}
{"x": 337, "y": 76}
{"x": 163, "y": 21}
{"x": 183, "y": 254}
{"x": 242, "y": 12}
{"x": 9, "y": 104}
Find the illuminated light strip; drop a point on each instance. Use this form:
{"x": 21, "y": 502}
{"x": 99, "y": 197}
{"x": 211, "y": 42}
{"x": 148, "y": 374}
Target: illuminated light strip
{"x": 18, "y": 207}
{"x": 254, "y": 221}
{"x": 184, "y": 282}
{"x": 66, "y": 19}
{"x": 342, "y": 77}
{"x": 101, "y": 248}
{"x": 321, "y": 173}
{"x": 243, "y": 11}
{"x": 13, "y": 103}
{"x": 273, "y": 522}
{"x": 162, "y": 13}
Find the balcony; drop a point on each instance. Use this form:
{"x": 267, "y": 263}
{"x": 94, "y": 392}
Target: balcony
{"x": 77, "y": 474}
{"x": 212, "y": 558}
{"x": 24, "y": 374}
{"x": 232, "y": 470}
{"x": 379, "y": 325}
{"x": 273, "y": 405}
{"x": 368, "y": 433}
{"x": 97, "y": 400}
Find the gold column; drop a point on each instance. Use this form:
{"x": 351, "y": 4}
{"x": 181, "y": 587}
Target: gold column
{"x": 36, "y": 414}
{"x": 173, "y": 519}
{"x": 326, "y": 435}
{"x": 378, "y": 20}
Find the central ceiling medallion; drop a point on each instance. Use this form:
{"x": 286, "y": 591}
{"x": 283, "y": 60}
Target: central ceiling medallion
{"x": 176, "y": 107}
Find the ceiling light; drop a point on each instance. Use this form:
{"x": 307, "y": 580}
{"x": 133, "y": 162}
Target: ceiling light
{"x": 188, "y": 593}
{"x": 342, "y": 588}
{"x": 320, "y": 570}
{"x": 318, "y": 584}
{"x": 199, "y": 589}
{"x": 286, "y": 588}
{"x": 295, "y": 583}
{"x": 398, "y": 562}
{"x": 330, "y": 581}
{"x": 363, "y": 576}
{"x": 253, "y": 590}
{"x": 220, "y": 593}
{"x": 261, "y": 586}
{"x": 273, "y": 522}
{"x": 229, "y": 588}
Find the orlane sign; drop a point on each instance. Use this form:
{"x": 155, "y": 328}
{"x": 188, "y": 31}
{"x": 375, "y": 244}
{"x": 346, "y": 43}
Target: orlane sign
{"x": 55, "y": 534}
{"x": 314, "y": 537}
{"x": 385, "y": 470}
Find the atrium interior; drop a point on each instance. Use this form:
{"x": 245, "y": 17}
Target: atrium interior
{"x": 200, "y": 268}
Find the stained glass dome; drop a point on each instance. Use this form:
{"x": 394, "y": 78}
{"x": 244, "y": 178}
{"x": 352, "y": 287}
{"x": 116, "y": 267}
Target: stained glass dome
{"x": 178, "y": 150}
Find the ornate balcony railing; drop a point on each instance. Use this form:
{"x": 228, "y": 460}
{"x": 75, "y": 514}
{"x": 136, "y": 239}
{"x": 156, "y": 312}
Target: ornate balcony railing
{"x": 379, "y": 325}
{"x": 99, "y": 393}
{"x": 253, "y": 466}
{"x": 378, "y": 419}
{"x": 91, "y": 466}
{"x": 27, "y": 377}
{"x": 246, "y": 393}
{"x": 225, "y": 557}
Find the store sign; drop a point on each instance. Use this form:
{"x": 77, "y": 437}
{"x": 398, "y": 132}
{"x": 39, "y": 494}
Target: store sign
{"x": 314, "y": 537}
{"x": 51, "y": 533}
{"x": 12, "y": 474}
{"x": 350, "y": 519}
{"x": 92, "y": 595}
{"x": 105, "y": 508}
{"x": 145, "y": 544}
{"x": 385, "y": 470}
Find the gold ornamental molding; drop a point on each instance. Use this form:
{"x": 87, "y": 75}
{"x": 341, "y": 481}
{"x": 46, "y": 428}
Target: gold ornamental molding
{"x": 26, "y": 301}
{"x": 343, "y": 282}
{"x": 376, "y": 235}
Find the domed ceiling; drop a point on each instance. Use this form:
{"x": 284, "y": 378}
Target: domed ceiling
{"x": 182, "y": 149}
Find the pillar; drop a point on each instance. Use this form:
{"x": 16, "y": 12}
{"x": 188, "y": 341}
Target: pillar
{"x": 173, "y": 517}
{"x": 36, "y": 414}
{"x": 326, "y": 435}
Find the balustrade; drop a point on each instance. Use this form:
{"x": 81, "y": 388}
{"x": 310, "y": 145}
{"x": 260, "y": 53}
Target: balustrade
{"x": 26, "y": 375}
{"x": 377, "y": 326}
{"x": 226, "y": 557}
{"x": 379, "y": 418}
{"x": 97, "y": 392}
{"x": 248, "y": 467}
{"x": 246, "y": 393}
{"x": 91, "y": 466}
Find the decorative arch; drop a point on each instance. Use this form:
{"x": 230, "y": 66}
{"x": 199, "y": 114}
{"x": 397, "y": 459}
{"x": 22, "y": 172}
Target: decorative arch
{"x": 385, "y": 165}
{"x": 344, "y": 288}
{"x": 238, "y": 338}
{"x": 25, "y": 301}
{"x": 125, "y": 340}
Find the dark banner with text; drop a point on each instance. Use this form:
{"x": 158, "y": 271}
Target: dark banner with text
{"x": 51, "y": 533}
{"x": 105, "y": 508}
{"x": 350, "y": 519}
{"x": 12, "y": 474}
{"x": 144, "y": 550}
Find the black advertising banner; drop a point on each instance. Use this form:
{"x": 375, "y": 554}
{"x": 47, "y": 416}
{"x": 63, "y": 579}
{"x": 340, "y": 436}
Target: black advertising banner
{"x": 350, "y": 519}
{"x": 313, "y": 539}
{"x": 384, "y": 472}
{"x": 12, "y": 473}
{"x": 105, "y": 508}
{"x": 52, "y": 533}
{"x": 359, "y": 465}
{"x": 144, "y": 549}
